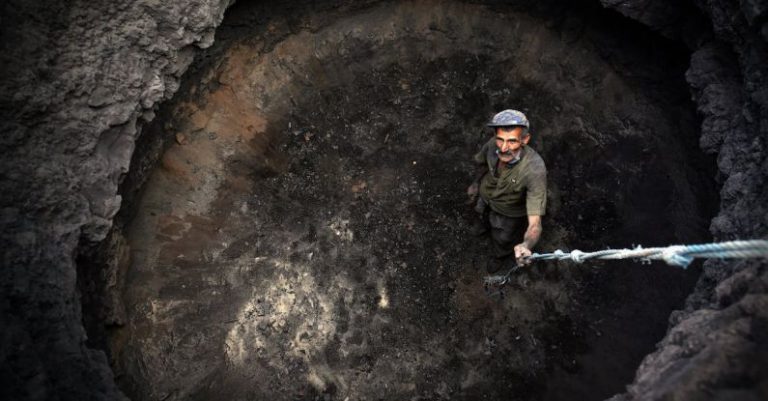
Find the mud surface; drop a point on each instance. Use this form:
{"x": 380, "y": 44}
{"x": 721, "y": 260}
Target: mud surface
{"x": 304, "y": 236}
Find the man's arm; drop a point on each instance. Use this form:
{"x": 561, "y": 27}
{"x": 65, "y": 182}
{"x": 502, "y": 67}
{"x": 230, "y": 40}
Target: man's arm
{"x": 530, "y": 239}
{"x": 475, "y": 186}
{"x": 535, "y": 205}
{"x": 482, "y": 169}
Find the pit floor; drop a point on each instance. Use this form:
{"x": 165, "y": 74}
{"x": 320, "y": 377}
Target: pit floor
{"x": 299, "y": 241}
{"x": 352, "y": 275}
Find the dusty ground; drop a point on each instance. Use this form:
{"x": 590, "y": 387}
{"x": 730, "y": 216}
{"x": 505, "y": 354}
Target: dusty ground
{"x": 304, "y": 236}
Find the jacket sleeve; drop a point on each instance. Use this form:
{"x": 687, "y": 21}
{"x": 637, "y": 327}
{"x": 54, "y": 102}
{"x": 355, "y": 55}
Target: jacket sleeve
{"x": 536, "y": 193}
{"x": 481, "y": 156}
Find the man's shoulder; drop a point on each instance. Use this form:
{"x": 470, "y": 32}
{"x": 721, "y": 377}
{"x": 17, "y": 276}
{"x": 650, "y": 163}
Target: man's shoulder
{"x": 482, "y": 155}
{"x": 535, "y": 161}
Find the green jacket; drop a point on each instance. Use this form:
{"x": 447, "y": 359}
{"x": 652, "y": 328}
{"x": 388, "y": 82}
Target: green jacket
{"x": 520, "y": 190}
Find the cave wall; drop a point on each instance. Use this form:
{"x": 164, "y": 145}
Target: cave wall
{"x": 716, "y": 347}
{"x": 80, "y": 79}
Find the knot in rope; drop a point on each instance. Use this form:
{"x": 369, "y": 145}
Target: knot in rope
{"x": 676, "y": 256}
{"x": 577, "y": 256}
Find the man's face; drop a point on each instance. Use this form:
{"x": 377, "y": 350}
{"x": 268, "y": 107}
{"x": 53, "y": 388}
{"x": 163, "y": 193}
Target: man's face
{"x": 509, "y": 140}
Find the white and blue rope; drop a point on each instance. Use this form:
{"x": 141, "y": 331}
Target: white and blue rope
{"x": 675, "y": 255}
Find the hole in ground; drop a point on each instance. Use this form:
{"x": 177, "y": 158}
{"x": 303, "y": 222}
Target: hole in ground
{"x": 304, "y": 234}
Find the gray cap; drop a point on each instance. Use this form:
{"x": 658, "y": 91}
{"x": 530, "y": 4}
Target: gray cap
{"x": 509, "y": 118}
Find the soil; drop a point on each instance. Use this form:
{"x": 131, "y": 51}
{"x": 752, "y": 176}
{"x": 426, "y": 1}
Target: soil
{"x": 307, "y": 237}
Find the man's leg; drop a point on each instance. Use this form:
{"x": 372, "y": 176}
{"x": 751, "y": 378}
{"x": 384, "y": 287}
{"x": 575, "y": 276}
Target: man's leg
{"x": 506, "y": 232}
{"x": 480, "y": 224}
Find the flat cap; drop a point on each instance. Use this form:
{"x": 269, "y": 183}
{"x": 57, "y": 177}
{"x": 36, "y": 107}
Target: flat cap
{"x": 509, "y": 118}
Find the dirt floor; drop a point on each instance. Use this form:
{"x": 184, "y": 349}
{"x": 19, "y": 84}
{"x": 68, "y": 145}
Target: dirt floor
{"x": 305, "y": 235}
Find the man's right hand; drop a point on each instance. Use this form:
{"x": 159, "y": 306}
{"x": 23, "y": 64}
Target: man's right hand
{"x": 521, "y": 252}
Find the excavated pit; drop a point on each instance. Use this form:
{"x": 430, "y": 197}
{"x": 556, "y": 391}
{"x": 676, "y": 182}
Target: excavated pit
{"x": 295, "y": 223}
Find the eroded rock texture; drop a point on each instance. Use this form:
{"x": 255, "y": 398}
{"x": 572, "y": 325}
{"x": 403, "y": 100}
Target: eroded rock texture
{"x": 717, "y": 348}
{"x": 79, "y": 79}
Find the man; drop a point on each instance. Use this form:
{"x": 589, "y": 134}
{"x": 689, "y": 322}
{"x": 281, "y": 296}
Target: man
{"x": 512, "y": 184}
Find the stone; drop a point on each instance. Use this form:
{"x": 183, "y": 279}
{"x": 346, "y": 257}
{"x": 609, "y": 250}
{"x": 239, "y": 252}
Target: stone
{"x": 181, "y": 139}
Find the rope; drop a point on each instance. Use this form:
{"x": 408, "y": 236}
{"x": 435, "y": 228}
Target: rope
{"x": 675, "y": 255}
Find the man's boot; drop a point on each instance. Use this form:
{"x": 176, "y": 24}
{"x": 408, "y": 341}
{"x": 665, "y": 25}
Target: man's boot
{"x": 478, "y": 227}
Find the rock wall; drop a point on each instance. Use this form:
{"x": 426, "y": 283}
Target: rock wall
{"x": 79, "y": 80}
{"x": 717, "y": 348}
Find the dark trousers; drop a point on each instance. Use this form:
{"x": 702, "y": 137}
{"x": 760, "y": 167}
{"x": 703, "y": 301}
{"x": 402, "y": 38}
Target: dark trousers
{"x": 506, "y": 232}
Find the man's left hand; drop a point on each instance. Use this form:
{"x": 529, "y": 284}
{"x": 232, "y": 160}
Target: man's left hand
{"x": 521, "y": 251}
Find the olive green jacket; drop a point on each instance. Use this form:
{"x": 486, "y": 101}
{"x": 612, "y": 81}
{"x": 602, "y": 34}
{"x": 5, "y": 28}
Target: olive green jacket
{"x": 519, "y": 190}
